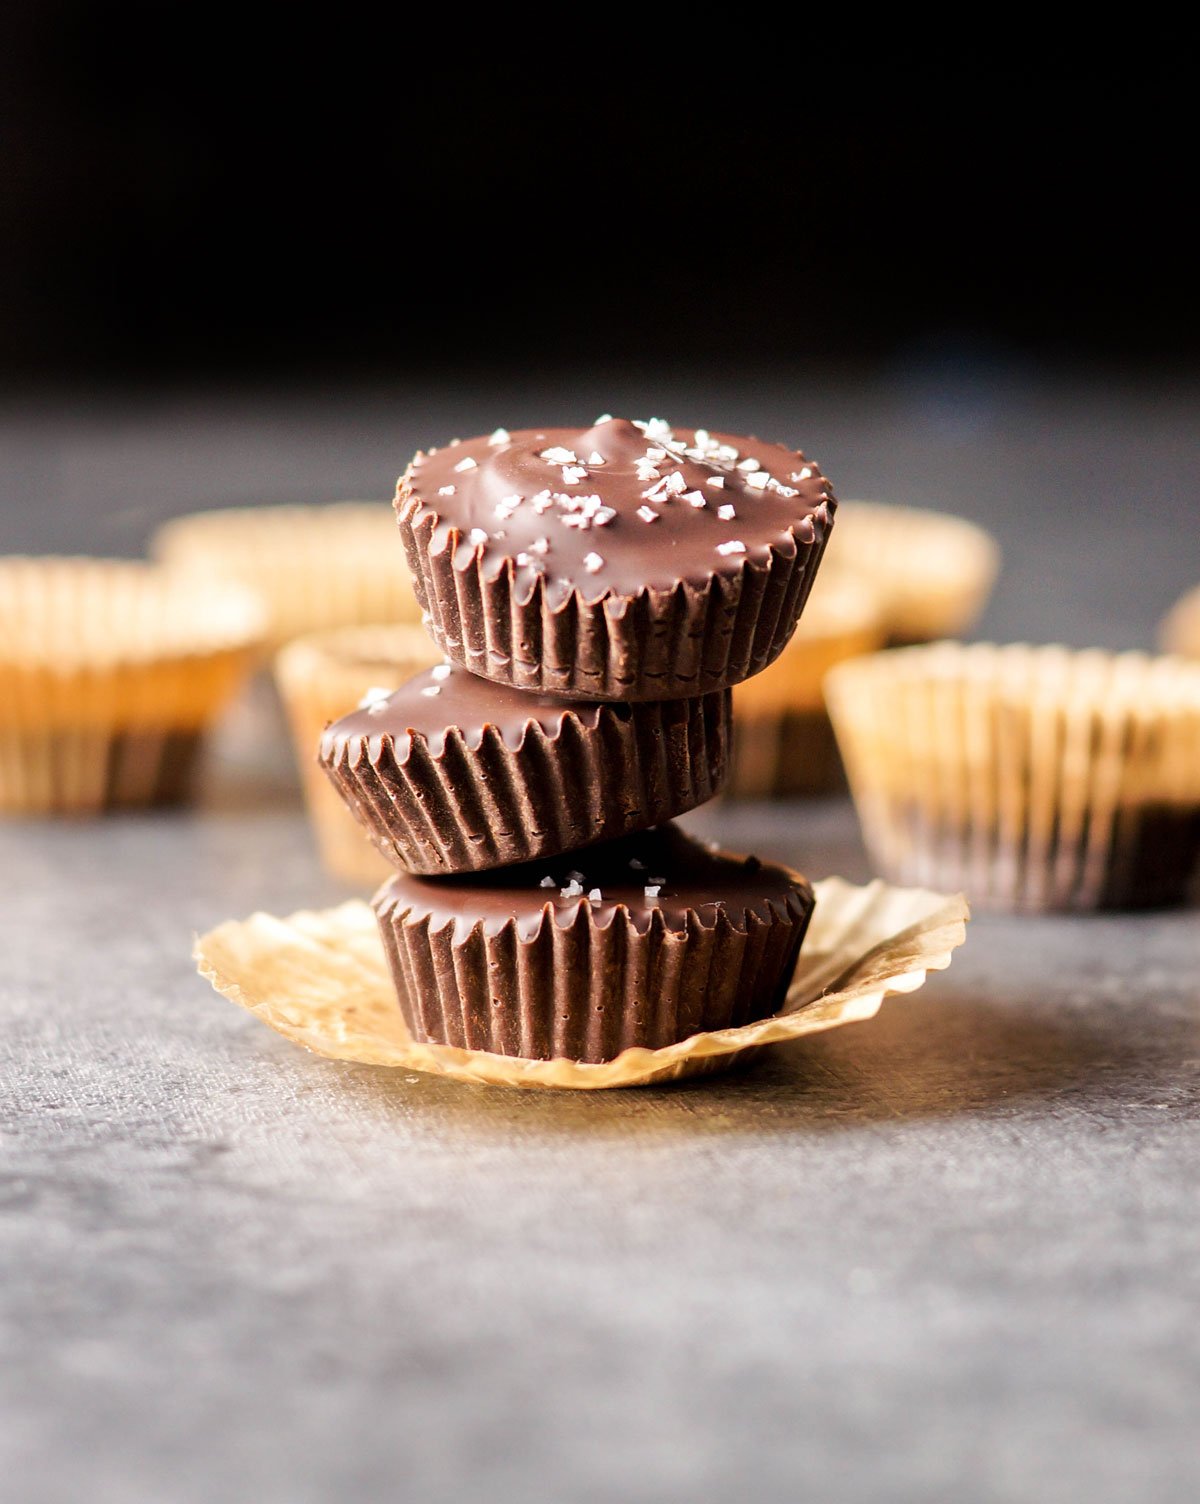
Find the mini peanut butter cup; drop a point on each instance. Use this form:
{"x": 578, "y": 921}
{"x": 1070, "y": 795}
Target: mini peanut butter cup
{"x": 629, "y": 561}
{"x": 639, "y": 942}
{"x": 451, "y": 773}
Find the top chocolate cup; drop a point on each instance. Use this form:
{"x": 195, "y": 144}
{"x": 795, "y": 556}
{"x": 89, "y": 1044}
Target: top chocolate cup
{"x": 628, "y": 561}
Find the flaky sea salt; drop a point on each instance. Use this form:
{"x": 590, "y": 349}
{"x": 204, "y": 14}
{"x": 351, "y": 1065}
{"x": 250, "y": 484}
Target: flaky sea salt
{"x": 446, "y": 490}
{"x": 442, "y": 671}
{"x": 466, "y": 464}
{"x": 652, "y": 890}
{"x": 716, "y": 480}
{"x": 648, "y": 514}
{"x": 757, "y": 480}
{"x": 592, "y": 562}
{"x": 547, "y": 882}
{"x": 595, "y": 896}
{"x": 557, "y": 455}
{"x": 374, "y": 699}
{"x": 726, "y": 513}
{"x": 498, "y": 436}
{"x": 477, "y": 535}
{"x": 430, "y": 690}
{"x": 734, "y": 546}
{"x": 572, "y": 890}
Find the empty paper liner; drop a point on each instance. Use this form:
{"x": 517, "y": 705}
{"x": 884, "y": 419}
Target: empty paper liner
{"x": 313, "y": 566}
{"x": 931, "y": 572}
{"x": 321, "y": 980}
{"x": 783, "y": 744}
{"x": 1033, "y": 778}
{"x": 1180, "y": 632}
{"x": 321, "y": 677}
{"x": 110, "y": 673}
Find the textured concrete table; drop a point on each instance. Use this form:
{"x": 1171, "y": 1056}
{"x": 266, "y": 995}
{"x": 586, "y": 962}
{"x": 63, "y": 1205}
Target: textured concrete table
{"x": 950, "y": 1254}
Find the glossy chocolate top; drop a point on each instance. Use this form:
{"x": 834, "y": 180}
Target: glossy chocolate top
{"x": 447, "y": 698}
{"x": 616, "y": 508}
{"x": 662, "y": 871}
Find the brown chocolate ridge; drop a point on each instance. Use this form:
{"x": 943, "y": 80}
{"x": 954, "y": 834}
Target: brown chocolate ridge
{"x": 441, "y": 786}
{"x": 491, "y": 964}
{"x": 664, "y": 615}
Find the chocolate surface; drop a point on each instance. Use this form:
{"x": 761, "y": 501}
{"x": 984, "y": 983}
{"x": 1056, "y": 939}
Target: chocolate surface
{"x": 616, "y": 508}
{"x": 452, "y": 773}
{"x": 695, "y": 885}
{"x": 448, "y": 697}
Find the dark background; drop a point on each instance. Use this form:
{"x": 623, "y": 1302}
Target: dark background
{"x": 193, "y": 193}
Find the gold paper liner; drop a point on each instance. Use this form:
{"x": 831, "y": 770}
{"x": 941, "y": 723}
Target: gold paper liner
{"x": 320, "y": 979}
{"x": 1180, "y": 631}
{"x": 783, "y": 744}
{"x": 932, "y": 572}
{"x": 110, "y": 671}
{"x": 483, "y": 803}
{"x": 666, "y": 644}
{"x": 315, "y": 567}
{"x": 1035, "y": 778}
{"x": 321, "y": 677}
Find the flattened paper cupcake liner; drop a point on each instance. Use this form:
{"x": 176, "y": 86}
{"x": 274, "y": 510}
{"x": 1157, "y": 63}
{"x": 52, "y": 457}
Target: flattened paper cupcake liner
{"x": 1034, "y": 778}
{"x": 321, "y": 980}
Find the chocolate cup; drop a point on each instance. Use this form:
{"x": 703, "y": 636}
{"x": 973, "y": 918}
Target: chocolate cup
{"x": 477, "y": 965}
{"x": 690, "y": 639}
{"x": 478, "y": 798}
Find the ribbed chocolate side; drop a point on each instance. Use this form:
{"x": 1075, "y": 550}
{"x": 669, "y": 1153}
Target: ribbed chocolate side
{"x": 657, "y": 645}
{"x": 468, "y": 809}
{"x": 584, "y": 992}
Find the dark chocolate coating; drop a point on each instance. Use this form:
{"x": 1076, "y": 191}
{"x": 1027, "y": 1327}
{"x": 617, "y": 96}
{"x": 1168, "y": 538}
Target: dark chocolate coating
{"x": 675, "y": 540}
{"x": 568, "y": 579}
{"x": 499, "y": 962}
{"x": 452, "y": 773}
{"x": 699, "y": 885}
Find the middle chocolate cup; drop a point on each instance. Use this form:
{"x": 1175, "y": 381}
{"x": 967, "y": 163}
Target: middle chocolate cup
{"x": 452, "y": 773}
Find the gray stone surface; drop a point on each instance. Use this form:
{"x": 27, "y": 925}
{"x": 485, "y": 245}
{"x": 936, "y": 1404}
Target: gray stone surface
{"x": 952, "y": 1254}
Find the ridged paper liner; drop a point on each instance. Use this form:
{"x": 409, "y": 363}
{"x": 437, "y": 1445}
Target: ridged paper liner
{"x": 110, "y": 671}
{"x": 664, "y": 644}
{"x": 480, "y": 803}
{"x": 1180, "y": 631}
{"x": 315, "y": 567}
{"x": 586, "y": 989}
{"x": 1035, "y": 778}
{"x": 321, "y": 677}
{"x": 783, "y": 744}
{"x": 931, "y": 572}
{"x": 321, "y": 980}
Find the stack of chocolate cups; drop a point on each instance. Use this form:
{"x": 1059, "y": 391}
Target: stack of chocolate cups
{"x": 596, "y": 595}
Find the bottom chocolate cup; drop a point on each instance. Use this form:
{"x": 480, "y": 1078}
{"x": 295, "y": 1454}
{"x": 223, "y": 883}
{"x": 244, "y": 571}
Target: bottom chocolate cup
{"x": 640, "y": 942}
